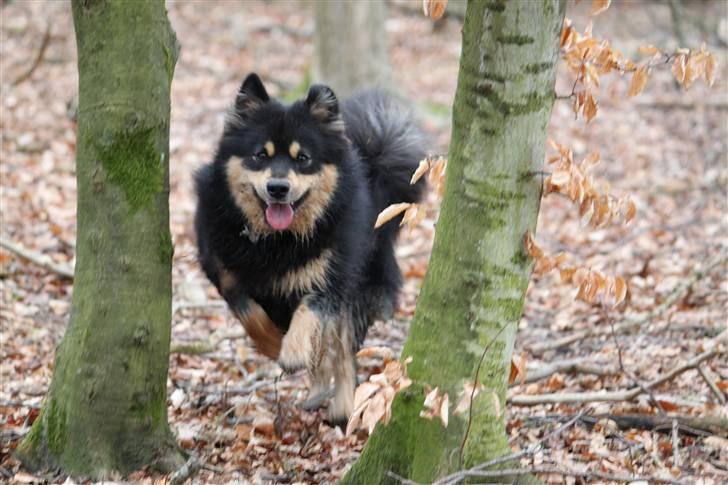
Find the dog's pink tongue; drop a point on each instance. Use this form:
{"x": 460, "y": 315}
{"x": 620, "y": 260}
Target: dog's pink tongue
{"x": 279, "y": 216}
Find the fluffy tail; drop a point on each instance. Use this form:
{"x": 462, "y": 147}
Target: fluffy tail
{"x": 390, "y": 143}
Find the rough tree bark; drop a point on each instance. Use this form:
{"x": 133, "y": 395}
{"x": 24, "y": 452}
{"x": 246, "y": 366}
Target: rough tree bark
{"x": 351, "y": 45}
{"x": 474, "y": 290}
{"x": 105, "y": 412}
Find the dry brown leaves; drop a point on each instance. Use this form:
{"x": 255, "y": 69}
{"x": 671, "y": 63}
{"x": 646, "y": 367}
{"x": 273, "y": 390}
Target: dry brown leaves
{"x": 373, "y": 398}
{"x": 590, "y": 282}
{"x": 596, "y": 209}
{"x": 414, "y": 214}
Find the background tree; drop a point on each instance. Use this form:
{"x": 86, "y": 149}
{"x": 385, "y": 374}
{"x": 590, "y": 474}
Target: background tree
{"x": 351, "y": 45}
{"x": 468, "y": 311}
{"x": 105, "y": 411}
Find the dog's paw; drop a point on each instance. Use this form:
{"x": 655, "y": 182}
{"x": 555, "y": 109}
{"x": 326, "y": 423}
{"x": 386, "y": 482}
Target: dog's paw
{"x": 295, "y": 353}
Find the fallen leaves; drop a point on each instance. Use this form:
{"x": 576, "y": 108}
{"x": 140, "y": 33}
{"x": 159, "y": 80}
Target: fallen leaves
{"x": 373, "y": 398}
{"x": 436, "y": 405}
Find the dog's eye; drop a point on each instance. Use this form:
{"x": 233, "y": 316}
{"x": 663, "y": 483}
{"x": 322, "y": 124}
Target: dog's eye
{"x": 303, "y": 159}
{"x": 261, "y": 155}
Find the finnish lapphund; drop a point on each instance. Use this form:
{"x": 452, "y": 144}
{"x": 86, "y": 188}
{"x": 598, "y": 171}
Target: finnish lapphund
{"x": 285, "y": 224}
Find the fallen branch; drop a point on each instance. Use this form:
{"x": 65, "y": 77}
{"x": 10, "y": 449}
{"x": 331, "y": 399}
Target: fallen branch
{"x": 206, "y": 346}
{"x": 579, "y": 365}
{"x": 602, "y": 396}
{"x": 42, "y": 260}
{"x": 718, "y": 393}
{"x": 185, "y": 472}
{"x": 38, "y": 58}
{"x": 696, "y": 275}
{"x": 457, "y": 477}
{"x": 692, "y": 425}
{"x": 588, "y": 475}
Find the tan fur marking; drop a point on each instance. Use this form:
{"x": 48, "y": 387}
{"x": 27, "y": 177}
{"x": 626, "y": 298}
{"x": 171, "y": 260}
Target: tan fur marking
{"x": 342, "y": 404}
{"x": 305, "y": 279}
{"x": 302, "y": 343}
{"x": 321, "y": 187}
{"x": 294, "y": 149}
{"x": 242, "y": 184}
{"x": 270, "y": 148}
{"x": 265, "y": 334}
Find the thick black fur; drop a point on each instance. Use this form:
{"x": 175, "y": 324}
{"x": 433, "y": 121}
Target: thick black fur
{"x": 375, "y": 153}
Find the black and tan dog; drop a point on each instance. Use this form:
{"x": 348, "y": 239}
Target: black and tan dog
{"x": 285, "y": 224}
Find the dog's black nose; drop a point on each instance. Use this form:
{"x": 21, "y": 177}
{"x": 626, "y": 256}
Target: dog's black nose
{"x": 278, "y": 188}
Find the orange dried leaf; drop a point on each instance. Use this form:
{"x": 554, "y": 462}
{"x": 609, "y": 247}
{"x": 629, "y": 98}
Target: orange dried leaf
{"x": 466, "y": 397}
{"x": 639, "y": 79}
{"x": 648, "y": 50}
{"x": 434, "y": 9}
{"x": 531, "y": 247}
{"x": 631, "y": 211}
{"x": 422, "y": 168}
{"x": 390, "y": 213}
{"x": 710, "y": 67}
{"x": 620, "y": 290}
{"x": 590, "y": 108}
{"x": 599, "y": 6}
{"x": 678, "y": 68}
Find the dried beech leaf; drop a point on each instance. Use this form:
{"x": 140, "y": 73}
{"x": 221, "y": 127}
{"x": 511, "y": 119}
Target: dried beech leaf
{"x": 466, "y": 397}
{"x": 639, "y": 80}
{"x": 620, "y": 290}
{"x": 434, "y": 9}
{"x": 648, "y": 50}
{"x": 422, "y": 169}
{"x": 590, "y": 108}
{"x": 599, "y": 6}
{"x": 678, "y": 68}
{"x": 390, "y": 213}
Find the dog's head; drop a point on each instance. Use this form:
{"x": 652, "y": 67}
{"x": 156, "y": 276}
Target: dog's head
{"x": 283, "y": 161}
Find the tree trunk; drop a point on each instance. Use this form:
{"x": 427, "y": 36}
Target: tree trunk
{"x": 351, "y": 45}
{"x": 105, "y": 412}
{"x": 472, "y": 298}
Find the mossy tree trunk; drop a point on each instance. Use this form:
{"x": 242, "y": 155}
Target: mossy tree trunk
{"x": 105, "y": 412}
{"x": 474, "y": 290}
{"x": 351, "y": 45}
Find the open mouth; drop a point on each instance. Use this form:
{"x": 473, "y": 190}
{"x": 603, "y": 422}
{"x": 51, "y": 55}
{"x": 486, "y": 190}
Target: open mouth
{"x": 279, "y": 215}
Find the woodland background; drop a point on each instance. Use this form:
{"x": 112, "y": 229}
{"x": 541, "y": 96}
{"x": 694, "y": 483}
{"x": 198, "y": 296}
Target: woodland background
{"x": 665, "y": 148}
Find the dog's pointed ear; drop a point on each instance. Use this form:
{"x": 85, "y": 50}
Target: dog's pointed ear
{"x": 322, "y": 103}
{"x": 252, "y": 95}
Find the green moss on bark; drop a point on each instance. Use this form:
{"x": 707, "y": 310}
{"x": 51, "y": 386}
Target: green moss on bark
{"x": 472, "y": 297}
{"x": 105, "y": 412}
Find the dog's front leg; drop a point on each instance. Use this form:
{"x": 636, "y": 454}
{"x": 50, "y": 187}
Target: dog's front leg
{"x": 302, "y": 344}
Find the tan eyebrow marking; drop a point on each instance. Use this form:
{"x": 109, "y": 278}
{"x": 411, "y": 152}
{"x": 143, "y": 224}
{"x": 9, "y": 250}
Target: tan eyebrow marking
{"x": 270, "y": 148}
{"x": 294, "y": 149}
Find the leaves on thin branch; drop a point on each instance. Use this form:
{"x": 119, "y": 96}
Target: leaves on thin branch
{"x": 390, "y": 213}
{"x": 572, "y": 180}
{"x": 591, "y": 283}
{"x": 436, "y": 405}
{"x": 434, "y": 9}
{"x": 436, "y": 167}
{"x": 373, "y": 398}
{"x": 639, "y": 80}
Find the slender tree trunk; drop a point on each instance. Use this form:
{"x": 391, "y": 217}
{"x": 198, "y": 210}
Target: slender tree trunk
{"x": 105, "y": 412}
{"x": 351, "y": 44}
{"x": 473, "y": 294}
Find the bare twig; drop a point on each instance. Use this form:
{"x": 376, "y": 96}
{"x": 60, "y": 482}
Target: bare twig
{"x": 675, "y": 444}
{"x": 634, "y": 379}
{"x": 185, "y": 472}
{"x": 38, "y": 58}
{"x": 589, "y": 475}
{"x": 712, "y": 386}
{"x": 457, "y": 477}
{"x": 624, "y": 395}
{"x": 692, "y": 425}
{"x": 208, "y": 345}
{"x": 472, "y": 393}
{"x": 637, "y": 321}
{"x": 579, "y": 365}
{"x": 42, "y": 260}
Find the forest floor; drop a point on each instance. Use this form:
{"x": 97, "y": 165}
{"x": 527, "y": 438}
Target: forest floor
{"x": 665, "y": 148}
